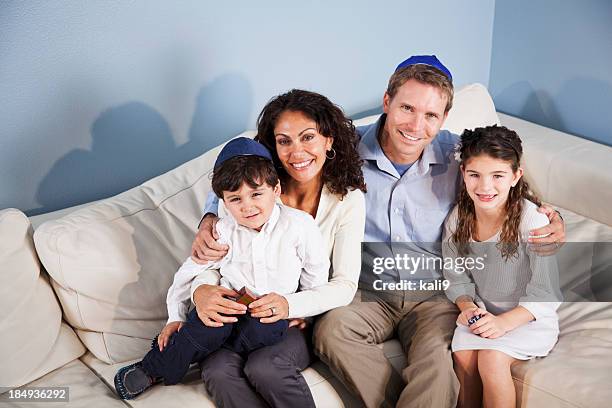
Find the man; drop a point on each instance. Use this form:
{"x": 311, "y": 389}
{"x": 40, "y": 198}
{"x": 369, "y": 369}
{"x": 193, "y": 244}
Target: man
{"x": 412, "y": 180}
{"x": 410, "y": 171}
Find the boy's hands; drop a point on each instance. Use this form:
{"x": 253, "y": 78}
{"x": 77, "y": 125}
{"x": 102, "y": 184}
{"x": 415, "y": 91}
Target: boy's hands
{"x": 167, "y": 331}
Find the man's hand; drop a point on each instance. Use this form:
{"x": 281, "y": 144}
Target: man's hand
{"x": 167, "y": 331}
{"x": 551, "y": 236}
{"x": 489, "y": 326}
{"x": 205, "y": 247}
{"x": 299, "y": 323}
{"x": 270, "y": 308}
{"x": 210, "y": 302}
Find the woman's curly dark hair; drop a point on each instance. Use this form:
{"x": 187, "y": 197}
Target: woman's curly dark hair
{"x": 339, "y": 174}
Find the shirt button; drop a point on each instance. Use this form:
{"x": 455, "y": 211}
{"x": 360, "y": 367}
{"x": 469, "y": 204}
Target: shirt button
{"x": 397, "y": 211}
{"x": 397, "y": 238}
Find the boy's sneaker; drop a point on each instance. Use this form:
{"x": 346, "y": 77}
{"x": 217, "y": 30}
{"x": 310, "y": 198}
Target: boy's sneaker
{"x": 133, "y": 380}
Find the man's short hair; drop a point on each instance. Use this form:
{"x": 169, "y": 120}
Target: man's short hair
{"x": 425, "y": 74}
{"x": 253, "y": 170}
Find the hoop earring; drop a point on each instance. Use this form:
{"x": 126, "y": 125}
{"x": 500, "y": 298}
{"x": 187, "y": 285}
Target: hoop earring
{"x": 333, "y": 156}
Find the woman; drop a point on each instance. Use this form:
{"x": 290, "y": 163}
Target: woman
{"x": 314, "y": 147}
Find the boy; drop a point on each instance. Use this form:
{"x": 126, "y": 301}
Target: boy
{"x": 273, "y": 248}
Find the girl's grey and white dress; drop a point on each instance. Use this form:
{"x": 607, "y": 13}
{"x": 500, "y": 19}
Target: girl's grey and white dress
{"x": 526, "y": 280}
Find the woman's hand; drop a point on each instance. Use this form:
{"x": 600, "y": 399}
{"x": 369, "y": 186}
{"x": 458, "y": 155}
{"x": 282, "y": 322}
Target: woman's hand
{"x": 205, "y": 247}
{"x": 167, "y": 331}
{"x": 548, "y": 239}
{"x": 210, "y": 302}
{"x": 489, "y": 326}
{"x": 270, "y": 308}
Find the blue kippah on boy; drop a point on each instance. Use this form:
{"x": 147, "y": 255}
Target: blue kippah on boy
{"x": 430, "y": 60}
{"x": 242, "y": 146}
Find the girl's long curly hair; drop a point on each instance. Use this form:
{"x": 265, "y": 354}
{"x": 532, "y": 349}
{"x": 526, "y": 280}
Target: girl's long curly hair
{"x": 501, "y": 143}
{"x": 339, "y": 174}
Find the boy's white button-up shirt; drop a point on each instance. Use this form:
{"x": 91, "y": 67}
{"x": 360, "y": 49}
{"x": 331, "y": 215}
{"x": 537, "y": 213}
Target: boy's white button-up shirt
{"x": 286, "y": 254}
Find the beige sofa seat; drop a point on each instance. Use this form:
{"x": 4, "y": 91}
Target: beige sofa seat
{"x": 577, "y": 371}
{"x": 85, "y": 389}
{"x": 326, "y": 389}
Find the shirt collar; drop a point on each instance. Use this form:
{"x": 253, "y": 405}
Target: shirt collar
{"x": 370, "y": 149}
{"x": 269, "y": 226}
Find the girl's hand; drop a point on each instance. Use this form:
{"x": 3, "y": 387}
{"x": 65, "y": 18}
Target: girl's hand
{"x": 167, "y": 331}
{"x": 270, "y": 308}
{"x": 467, "y": 314}
{"x": 489, "y": 326}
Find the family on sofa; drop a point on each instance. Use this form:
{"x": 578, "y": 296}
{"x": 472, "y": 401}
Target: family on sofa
{"x": 394, "y": 181}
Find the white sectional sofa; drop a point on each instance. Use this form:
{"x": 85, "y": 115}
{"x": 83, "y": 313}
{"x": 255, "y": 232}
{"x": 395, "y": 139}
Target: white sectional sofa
{"x": 83, "y": 292}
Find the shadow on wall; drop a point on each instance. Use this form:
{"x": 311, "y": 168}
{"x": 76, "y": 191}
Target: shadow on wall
{"x": 577, "y": 108}
{"x": 132, "y": 143}
{"x": 529, "y": 104}
{"x": 587, "y": 102}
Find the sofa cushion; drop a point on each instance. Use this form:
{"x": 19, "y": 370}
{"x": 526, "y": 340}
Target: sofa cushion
{"x": 576, "y": 373}
{"x": 35, "y": 341}
{"x": 326, "y": 390}
{"x": 472, "y": 107}
{"x": 569, "y": 171}
{"x": 581, "y": 355}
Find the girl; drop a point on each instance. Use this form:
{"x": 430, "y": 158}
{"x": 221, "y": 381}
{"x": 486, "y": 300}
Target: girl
{"x": 508, "y": 299}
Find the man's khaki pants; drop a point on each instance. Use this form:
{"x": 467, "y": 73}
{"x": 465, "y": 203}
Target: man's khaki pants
{"x": 346, "y": 340}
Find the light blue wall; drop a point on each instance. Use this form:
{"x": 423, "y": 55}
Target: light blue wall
{"x": 99, "y": 96}
{"x": 552, "y": 64}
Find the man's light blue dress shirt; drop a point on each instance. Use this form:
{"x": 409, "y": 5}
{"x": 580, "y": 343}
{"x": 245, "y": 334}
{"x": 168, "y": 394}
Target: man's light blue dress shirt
{"x": 411, "y": 207}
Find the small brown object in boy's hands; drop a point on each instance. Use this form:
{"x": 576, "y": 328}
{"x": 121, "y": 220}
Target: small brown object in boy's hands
{"x": 246, "y": 296}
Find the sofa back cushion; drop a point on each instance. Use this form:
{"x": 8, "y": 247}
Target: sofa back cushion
{"x": 35, "y": 341}
{"x": 569, "y": 171}
{"x": 112, "y": 262}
